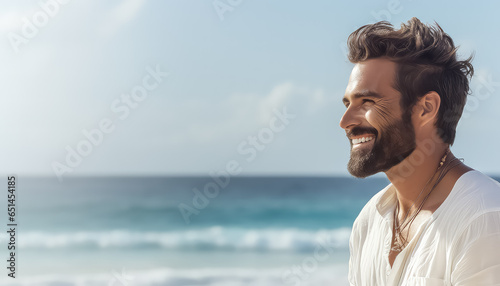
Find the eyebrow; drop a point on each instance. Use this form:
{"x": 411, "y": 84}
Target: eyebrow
{"x": 361, "y": 94}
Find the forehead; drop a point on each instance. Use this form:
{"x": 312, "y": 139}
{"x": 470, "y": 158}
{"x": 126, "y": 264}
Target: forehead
{"x": 373, "y": 75}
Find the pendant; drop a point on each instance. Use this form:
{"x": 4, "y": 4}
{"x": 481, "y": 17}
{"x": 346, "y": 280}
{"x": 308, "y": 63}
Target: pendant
{"x": 396, "y": 248}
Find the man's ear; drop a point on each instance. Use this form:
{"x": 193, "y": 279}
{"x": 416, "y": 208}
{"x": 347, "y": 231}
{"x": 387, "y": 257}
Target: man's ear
{"x": 427, "y": 108}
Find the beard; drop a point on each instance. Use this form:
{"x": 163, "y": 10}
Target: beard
{"x": 395, "y": 143}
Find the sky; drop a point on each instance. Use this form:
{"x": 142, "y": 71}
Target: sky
{"x": 189, "y": 87}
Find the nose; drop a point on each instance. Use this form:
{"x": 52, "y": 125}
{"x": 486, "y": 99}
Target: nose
{"x": 350, "y": 119}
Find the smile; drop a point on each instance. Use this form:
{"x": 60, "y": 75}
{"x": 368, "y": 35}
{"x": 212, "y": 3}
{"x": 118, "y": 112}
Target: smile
{"x": 361, "y": 140}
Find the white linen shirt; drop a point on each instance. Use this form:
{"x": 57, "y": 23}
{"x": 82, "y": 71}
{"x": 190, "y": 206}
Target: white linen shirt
{"x": 459, "y": 244}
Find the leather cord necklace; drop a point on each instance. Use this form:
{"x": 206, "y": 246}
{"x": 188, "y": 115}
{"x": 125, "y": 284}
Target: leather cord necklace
{"x": 399, "y": 241}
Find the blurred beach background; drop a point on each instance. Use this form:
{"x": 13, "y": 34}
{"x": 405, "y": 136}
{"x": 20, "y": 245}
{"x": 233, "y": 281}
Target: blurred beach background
{"x": 192, "y": 143}
{"x": 130, "y": 231}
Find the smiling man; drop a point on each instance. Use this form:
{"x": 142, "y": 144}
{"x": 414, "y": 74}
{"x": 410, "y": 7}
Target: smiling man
{"x": 438, "y": 221}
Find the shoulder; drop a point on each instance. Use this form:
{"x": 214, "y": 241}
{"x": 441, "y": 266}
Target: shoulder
{"x": 369, "y": 211}
{"x": 363, "y": 224}
{"x": 475, "y": 194}
{"x": 474, "y": 206}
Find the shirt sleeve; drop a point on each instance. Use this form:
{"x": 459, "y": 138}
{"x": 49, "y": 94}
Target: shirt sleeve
{"x": 476, "y": 256}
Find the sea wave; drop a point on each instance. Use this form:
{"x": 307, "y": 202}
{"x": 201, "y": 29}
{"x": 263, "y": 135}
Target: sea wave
{"x": 212, "y": 238}
{"x": 325, "y": 275}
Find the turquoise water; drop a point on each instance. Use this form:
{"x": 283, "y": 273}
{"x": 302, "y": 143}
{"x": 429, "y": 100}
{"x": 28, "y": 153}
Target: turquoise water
{"x": 131, "y": 231}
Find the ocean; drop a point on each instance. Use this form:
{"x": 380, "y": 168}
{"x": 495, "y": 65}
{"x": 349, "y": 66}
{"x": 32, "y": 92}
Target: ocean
{"x": 184, "y": 230}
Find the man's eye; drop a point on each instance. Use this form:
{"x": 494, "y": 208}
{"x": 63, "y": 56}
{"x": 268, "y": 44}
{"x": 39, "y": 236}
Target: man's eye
{"x": 368, "y": 100}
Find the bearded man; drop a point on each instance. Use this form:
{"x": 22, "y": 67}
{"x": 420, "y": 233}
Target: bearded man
{"x": 438, "y": 221}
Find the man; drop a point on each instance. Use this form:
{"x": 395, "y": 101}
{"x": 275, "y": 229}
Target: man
{"x": 438, "y": 221}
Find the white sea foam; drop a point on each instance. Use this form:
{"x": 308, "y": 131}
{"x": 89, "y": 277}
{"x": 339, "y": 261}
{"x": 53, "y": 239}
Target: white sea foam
{"x": 213, "y": 238}
{"x": 335, "y": 275}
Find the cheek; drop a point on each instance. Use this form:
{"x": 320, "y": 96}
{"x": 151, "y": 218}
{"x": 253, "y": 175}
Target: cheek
{"x": 372, "y": 117}
{"x": 380, "y": 116}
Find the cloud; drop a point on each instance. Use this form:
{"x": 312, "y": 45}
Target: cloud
{"x": 297, "y": 99}
{"x": 125, "y": 12}
{"x": 11, "y": 16}
{"x": 242, "y": 114}
{"x": 10, "y": 21}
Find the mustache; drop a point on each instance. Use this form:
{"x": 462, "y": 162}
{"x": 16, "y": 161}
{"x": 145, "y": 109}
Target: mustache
{"x": 361, "y": 130}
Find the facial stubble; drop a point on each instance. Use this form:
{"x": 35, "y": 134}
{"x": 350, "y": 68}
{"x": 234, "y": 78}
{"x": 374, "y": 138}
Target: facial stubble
{"x": 393, "y": 143}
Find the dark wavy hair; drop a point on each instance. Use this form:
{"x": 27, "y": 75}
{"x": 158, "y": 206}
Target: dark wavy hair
{"x": 426, "y": 59}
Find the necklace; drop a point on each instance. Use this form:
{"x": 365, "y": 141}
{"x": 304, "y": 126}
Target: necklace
{"x": 399, "y": 241}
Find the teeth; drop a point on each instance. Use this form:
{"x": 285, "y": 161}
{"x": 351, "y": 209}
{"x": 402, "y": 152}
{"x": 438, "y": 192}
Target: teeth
{"x": 361, "y": 140}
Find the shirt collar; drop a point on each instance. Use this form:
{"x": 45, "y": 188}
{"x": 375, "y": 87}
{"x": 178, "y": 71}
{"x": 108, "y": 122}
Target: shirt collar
{"x": 386, "y": 202}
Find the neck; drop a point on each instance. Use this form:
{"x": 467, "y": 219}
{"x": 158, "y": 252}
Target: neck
{"x": 411, "y": 175}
